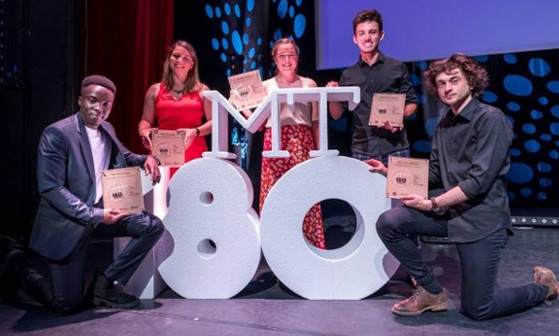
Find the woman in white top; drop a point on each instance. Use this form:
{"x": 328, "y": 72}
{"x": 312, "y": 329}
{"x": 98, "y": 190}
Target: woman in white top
{"x": 299, "y": 132}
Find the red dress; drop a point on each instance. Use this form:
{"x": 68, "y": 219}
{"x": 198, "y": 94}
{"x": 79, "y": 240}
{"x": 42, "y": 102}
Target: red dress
{"x": 185, "y": 112}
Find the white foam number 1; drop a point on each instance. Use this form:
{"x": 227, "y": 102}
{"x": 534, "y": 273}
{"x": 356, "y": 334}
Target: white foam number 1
{"x": 216, "y": 244}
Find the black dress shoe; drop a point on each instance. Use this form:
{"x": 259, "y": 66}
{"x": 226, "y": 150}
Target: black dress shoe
{"x": 106, "y": 294}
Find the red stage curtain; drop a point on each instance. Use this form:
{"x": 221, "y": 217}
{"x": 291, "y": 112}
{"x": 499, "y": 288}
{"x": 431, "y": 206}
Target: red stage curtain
{"x": 126, "y": 41}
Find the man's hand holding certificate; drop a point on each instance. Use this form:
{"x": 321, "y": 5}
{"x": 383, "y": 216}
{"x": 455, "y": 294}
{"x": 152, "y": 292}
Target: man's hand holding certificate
{"x": 387, "y": 107}
{"x": 407, "y": 176}
{"x": 168, "y": 147}
{"x": 122, "y": 189}
{"x": 247, "y": 90}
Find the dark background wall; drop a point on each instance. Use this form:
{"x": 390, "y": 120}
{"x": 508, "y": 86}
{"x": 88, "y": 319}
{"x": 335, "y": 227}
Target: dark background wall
{"x": 37, "y": 87}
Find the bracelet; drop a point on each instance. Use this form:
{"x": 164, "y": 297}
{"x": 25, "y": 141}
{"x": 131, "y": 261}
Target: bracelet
{"x": 197, "y": 131}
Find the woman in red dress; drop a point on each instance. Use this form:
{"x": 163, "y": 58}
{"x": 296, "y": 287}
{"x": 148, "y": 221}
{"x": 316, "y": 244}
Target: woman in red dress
{"x": 177, "y": 102}
{"x": 299, "y": 133}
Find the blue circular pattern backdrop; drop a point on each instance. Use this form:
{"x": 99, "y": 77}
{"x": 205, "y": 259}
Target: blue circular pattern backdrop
{"x": 239, "y": 37}
{"x": 525, "y": 86}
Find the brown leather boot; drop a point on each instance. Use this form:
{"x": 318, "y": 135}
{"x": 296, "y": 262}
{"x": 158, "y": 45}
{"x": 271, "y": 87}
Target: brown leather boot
{"x": 545, "y": 276}
{"x": 421, "y": 301}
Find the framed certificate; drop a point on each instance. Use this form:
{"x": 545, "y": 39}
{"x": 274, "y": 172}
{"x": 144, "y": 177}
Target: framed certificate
{"x": 122, "y": 189}
{"x": 168, "y": 147}
{"x": 247, "y": 90}
{"x": 387, "y": 107}
{"x": 407, "y": 176}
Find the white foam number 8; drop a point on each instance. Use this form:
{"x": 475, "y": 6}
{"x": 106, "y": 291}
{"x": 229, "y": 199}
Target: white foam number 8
{"x": 216, "y": 244}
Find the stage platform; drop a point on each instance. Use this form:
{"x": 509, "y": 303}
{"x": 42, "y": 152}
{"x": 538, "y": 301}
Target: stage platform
{"x": 266, "y": 307}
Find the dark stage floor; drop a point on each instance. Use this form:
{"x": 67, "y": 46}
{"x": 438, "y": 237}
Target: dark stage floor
{"x": 268, "y": 308}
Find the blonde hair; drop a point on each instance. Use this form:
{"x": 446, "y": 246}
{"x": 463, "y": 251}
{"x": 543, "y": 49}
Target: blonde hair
{"x": 284, "y": 40}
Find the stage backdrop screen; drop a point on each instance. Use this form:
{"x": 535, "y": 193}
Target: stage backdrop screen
{"x": 432, "y": 29}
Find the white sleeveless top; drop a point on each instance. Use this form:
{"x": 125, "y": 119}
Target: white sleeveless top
{"x": 297, "y": 114}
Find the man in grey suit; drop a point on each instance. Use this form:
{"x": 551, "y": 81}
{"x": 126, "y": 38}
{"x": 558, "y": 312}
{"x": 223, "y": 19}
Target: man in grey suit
{"x": 72, "y": 154}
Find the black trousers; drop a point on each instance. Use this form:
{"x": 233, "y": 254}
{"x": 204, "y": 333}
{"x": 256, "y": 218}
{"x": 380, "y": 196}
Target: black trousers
{"x": 479, "y": 263}
{"x": 68, "y": 275}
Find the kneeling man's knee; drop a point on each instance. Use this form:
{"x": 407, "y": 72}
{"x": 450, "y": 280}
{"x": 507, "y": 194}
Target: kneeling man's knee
{"x": 388, "y": 220}
{"x": 476, "y": 312}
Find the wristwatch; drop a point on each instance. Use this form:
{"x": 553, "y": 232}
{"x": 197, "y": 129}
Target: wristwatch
{"x": 436, "y": 209}
{"x": 434, "y": 204}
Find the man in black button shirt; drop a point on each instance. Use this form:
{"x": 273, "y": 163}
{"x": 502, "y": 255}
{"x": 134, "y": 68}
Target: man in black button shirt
{"x": 469, "y": 163}
{"x": 374, "y": 73}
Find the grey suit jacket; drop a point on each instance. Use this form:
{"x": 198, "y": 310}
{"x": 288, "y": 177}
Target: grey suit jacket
{"x": 66, "y": 180}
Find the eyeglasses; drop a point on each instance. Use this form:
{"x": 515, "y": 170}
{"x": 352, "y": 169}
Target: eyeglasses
{"x": 283, "y": 57}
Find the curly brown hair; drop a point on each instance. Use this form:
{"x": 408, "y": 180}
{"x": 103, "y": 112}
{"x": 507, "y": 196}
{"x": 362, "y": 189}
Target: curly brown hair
{"x": 192, "y": 82}
{"x": 475, "y": 74}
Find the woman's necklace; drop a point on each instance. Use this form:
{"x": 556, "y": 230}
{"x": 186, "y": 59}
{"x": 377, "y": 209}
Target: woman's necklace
{"x": 177, "y": 94}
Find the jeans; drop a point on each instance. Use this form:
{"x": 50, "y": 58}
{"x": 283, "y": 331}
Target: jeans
{"x": 479, "y": 263}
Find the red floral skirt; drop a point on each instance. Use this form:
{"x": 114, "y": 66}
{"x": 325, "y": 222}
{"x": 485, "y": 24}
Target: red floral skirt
{"x": 298, "y": 141}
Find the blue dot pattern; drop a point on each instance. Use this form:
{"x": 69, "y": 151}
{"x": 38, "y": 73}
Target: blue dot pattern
{"x": 536, "y": 115}
{"x": 247, "y": 42}
{"x": 509, "y": 58}
{"x": 513, "y": 106}
{"x": 525, "y": 86}
{"x": 518, "y": 85}
{"x": 520, "y": 173}
{"x": 539, "y": 67}
{"x": 553, "y": 86}
{"x": 489, "y": 97}
{"x": 242, "y": 44}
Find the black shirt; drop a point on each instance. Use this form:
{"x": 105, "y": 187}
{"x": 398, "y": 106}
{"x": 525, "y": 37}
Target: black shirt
{"x": 387, "y": 75}
{"x": 471, "y": 150}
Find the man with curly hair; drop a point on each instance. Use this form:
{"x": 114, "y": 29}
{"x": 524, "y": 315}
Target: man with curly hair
{"x": 469, "y": 205}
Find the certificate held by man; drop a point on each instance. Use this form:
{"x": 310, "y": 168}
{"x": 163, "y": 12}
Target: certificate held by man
{"x": 168, "y": 147}
{"x": 407, "y": 176}
{"x": 122, "y": 189}
{"x": 387, "y": 107}
{"x": 247, "y": 90}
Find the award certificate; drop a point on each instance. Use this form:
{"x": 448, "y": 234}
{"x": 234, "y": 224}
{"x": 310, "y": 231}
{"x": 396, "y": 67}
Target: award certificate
{"x": 407, "y": 176}
{"x": 122, "y": 189}
{"x": 168, "y": 147}
{"x": 247, "y": 90}
{"x": 387, "y": 107}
